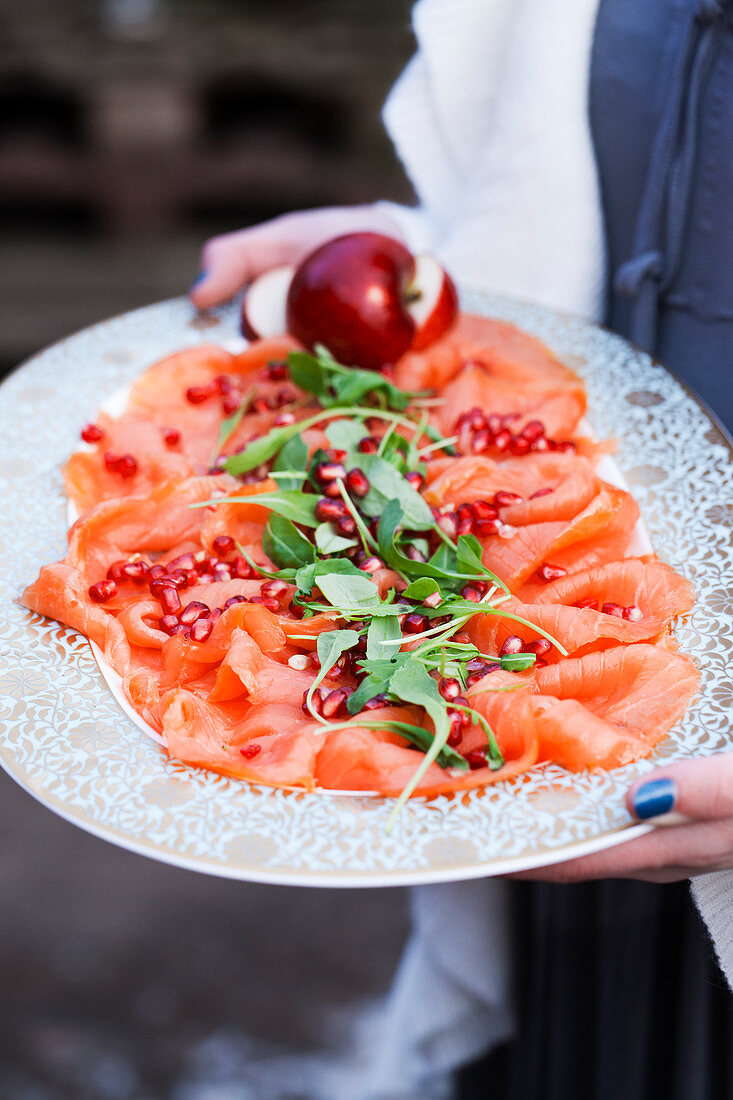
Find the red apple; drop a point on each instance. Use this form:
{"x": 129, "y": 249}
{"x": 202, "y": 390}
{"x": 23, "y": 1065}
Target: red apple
{"x": 361, "y": 296}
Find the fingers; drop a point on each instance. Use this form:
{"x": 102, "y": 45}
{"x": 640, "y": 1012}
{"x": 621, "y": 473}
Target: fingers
{"x": 699, "y": 790}
{"x": 230, "y": 261}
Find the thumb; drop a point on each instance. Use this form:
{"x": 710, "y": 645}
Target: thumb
{"x": 696, "y": 790}
{"x": 230, "y": 261}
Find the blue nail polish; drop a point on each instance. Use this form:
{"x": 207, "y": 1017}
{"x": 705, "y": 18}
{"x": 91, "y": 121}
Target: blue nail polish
{"x": 199, "y": 279}
{"x": 654, "y": 798}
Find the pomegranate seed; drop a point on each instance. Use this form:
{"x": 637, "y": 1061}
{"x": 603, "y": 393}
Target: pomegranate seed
{"x": 462, "y": 638}
{"x": 261, "y": 404}
{"x": 415, "y": 478}
{"x": 284, "y": 418}
{"x": 296, "y": 610}
{"x": 250, "y": 751}
{"x": 135, "y": 571}
{"x": 329, "y": 471}
{"x": 334, "y": 702}
{"x": 169, "y": 624}
{"x": 461, "y": 701}
{"x": 371, "y": 565}
{"x": 494, "y": 423}
{"x": 481, "y": 441}
{"x": 222, "y": 384}
{"x": 376, "y": 702}
{"x": 223, "y": 545}
{"x": 331, "y": 489}
{"x": 357, "y": 482}
{"x": 284, "y": 397}
{"x": 502, "y": 439}
{"x": 182, "y": 562}
{"x": 192, "y": 612}
{"x": 171, "y": 437}
{"x": 474, "y": 677}
{"x": 243, "y": 570}
{"x": 519, "y": 445}
{"x": 116, "y": 572}
{"x": 471, "y": 593}
{"x": 196, "y": 395}
{"x": 330, "y": 510}
{"x": 449, "y": 688}
{"x": 234, "y": 600}
{"x": 102, "y": 591}
{"x": 588, "y": 603}
{"x": 632, "y": 613}
{"x": 448, "y": 524}
{"x": 464, "y": 519}
{"x": 482, "y": 528}
{"x": 513, "y": 644}
{"x": 177, "y": 578}
{"x": 92, "y": 433}
{"x": 169, "y": 599}
{"x": 549, "y": 572}
{"x": 542, "y": 493}
{"x": 274, "y": 588}
{"x": 127, "y": 466}
{"x": 201, "y": 630}
{"x": 476, "y": 759}
{"x": 267, "y": 601}
{"x": 433, "y": 600}
{"x": 476, "y": 664}
{"x": 155, "y": 573}
{"x": 415, "y": 623}
{"x": 483, "y": 510}
{"x": 191, "y": 578}
{"x": 346, "y": 525}
{"x": 215, "y": 615}
{"x": 276, "y": 372}
{"x": 567, "y": 447}
{"x": 540, "y": 647}
{"x": 532, "y": 430}
{"x": 316, "y": 700}
{"x": 206, "y": 578}
{"x": 368, "y": 445}
{"x": 614, "y": 609}
{"x": 413, "y": 553}
{"x": 455, "y": 730}
{"x": 207, "y": 565}
{"x": 231, "y": 403}
{"x": 112, "y": 461}
{"x": 504, "y": 498}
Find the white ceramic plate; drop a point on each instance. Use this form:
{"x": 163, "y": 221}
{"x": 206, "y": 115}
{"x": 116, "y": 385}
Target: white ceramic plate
{"x": 66, "y": 740}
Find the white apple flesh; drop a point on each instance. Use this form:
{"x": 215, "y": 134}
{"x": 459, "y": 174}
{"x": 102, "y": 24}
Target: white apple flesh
{"x": 432, "y": 301}
{"x": 263, "y": 309}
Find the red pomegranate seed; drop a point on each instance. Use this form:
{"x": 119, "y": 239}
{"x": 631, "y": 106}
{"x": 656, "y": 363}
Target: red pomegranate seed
{"x": 215, "y": 615}
{"x": 92, "y": 433}
{"x": 201, "y": 630}
{"x": 455, "y": 729}
{"x": 116, "y": 572}
{"x": 346, "y": 525}
{"x": 415, "y": 478}
{"x": 330, "y": 510}
{"x": 276, "y": 372}
{"x": 334, "y": 702}
{"x": 283, "y": 419}
{"x": 192, "y": 612}
{"x": 566, "y": 446}
{"x": 329, "y": 471}
{"x": 206, "y": 578}
{"x": 275, "y": 588}
{"x": 102, "y": 591}
{"x": 357, "y": 482}
{"x": 474, "y": 677}
{"x": 614, "y": 609}
{"x": 504, "y": 498}
{"x": 462, "y": 638}
{"x": 502, "y": 439}
{"x": 371, "y": 565}
{"x": 449, "y": 688}
{"x": 433, "y": 600}
{"x": 376, "y": 702}
{"x": 267, "y": 601}
{"x": 464, "y": 519}
{"x": 156, "y": 572}
{"x": 112, "y": 461}
{"x": 231, "y": 403}
{"x": 482, "y": 509}
{"x": 540, "y": 444}
{"x": 461, "y": 701}
{"x": 470, "y": 593}
{"x": 448, "y": 524}
{"x": 127, "y": 466}
{"x": 196, "y": 395}
{"x": 415, "y": 623}
{"x": 368, "y": 445}
{"x": 494, "y": 423}
{"x": 171, "y": 437}
{"x": 539, "y": 647}
{"x": 243, "y": 570}
{"x": 476, "y": 759}
{"x": 169, "y": 624}
{"x": 481, "y": 441}
{"x": 169, "y": 599}
{"x": 192, "y": 578}
{"x": 223, "y": 545}
{"x": 542, "y": 493}
{"x": 587, "y": 604}
{"x": 135, "y": 571}
{"x": 261, "y": 404}
{"x": 519, "y": 445}
{"x": 183, "y": 561}
{"x": 222, "y": 384}
{"x": 250, "y": 751}
{"x": 513, "y": 644}
{"x": 482, "y": 528}
{"x": 177, "y": 577}
{"x": 234, "y": 600}
{"x": 632, "y": 613}
{"x": 476, "y": 664}
{"x": 549, "y": 572}
{"x": 532, "y": 430}
{"x": 331, "y": 489}
{"x": 317, "y": 698}
{"x": 414, "y": 553}
{"x": 207, "y": 565}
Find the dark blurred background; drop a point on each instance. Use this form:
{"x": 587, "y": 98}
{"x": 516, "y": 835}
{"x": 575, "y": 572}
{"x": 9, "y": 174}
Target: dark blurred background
{"x": 130, "y": 130}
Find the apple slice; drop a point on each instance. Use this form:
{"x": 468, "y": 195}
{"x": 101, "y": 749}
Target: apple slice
{"x": 431, "y": 300}
{"x": 263, "y": 308}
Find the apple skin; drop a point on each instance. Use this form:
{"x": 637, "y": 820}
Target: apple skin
{"x": 348, "y": 295}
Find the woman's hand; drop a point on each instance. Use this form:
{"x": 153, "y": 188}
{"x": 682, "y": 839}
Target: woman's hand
{"x": 696, "y": 793}
{"x": 230, "y": 261}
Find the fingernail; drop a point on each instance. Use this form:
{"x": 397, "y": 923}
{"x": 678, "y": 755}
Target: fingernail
{"x": 654, "y": 798}
{"x": 203, "y": 274}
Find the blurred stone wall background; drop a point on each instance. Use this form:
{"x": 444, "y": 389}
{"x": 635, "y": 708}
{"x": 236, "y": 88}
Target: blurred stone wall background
{"x": 130, "y": 130}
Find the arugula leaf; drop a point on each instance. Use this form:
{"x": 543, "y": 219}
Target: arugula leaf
{"x": 335, "y": 384}
{"x": 308, "y": 373}
{"x": 389, "y": 521}
{"x": 468, "y": 557}
{"x": 330, "y": 645}
{"x": 381, "y": 630}
{"x": 293, "y": 456}
{"x": 446, "y": 758}
{"x": 517, "y": 662}
{"x": 349, "y": 591}
{"x": 306, "y": 577}
{"x": 230, "y": 425}
{"x": 329, "y": 541}
{"x": 261, "y": 450}
{"x": 421, "y": 588}
{"x": 344, "y": 435}
{"x": 285, "y": 544}
{"x": 291, "y": 503}
{"x": 387, "y": 484}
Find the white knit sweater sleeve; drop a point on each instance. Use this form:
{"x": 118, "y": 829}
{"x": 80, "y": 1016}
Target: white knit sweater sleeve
{"x": 713, "y": 895}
